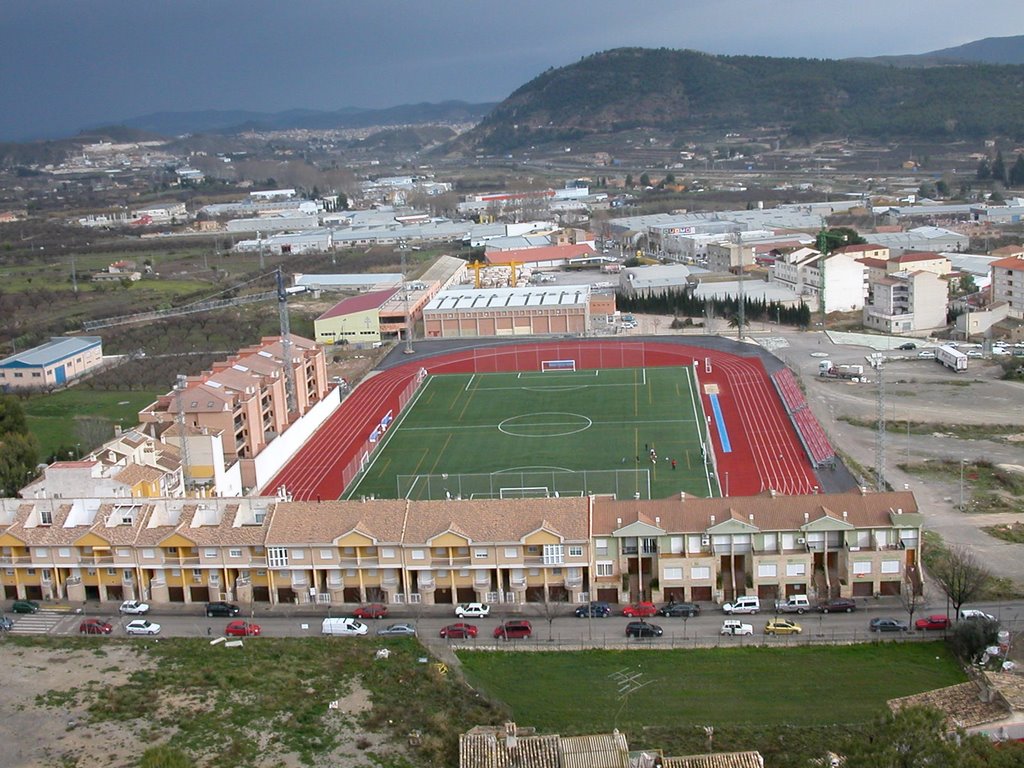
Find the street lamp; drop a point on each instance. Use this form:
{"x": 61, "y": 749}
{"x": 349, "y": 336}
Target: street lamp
{"x": 962, "y": 463}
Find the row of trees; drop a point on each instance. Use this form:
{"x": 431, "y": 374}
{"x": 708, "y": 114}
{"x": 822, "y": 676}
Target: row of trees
{"x": 683, "y": 302}
{"x": 998, "y": 172}
{"x": 19, "y": 451}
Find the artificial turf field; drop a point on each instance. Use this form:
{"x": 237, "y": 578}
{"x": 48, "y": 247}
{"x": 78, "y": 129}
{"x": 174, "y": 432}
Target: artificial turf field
{"x": 532, "y": 434}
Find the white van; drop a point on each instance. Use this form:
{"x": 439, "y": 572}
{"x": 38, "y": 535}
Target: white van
{"x": 345, "y": 627}
{"x": 746, "y": 604}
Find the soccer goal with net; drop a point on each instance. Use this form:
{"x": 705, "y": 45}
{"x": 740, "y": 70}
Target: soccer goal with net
{"x": 557, "y": 365}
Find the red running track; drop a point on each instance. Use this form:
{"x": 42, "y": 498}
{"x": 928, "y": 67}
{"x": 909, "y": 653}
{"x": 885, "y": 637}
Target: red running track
{"x": 766, "y": 453}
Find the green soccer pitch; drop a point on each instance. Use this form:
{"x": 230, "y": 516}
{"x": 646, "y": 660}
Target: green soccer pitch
{"x": 538, "y": 434}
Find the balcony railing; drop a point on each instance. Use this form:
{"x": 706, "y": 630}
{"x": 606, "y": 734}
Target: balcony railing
{"x": 15, "y": 560}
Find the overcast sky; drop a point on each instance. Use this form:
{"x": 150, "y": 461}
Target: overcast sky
{"x": 65, "y": 64}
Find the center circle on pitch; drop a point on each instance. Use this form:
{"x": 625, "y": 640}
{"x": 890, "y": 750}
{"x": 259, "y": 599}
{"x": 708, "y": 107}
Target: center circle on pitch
{"x": 551, "y": 424}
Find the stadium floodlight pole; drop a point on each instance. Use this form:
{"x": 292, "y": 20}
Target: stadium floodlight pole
{"x": 405, "y": 292}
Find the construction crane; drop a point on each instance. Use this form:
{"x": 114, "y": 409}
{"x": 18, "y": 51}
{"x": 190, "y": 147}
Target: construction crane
{"x": 476, "y": 266}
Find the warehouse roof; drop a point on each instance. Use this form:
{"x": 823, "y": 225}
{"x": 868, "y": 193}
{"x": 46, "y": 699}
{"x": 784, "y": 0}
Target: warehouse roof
{"x": 56, "y": 349}
{"x": 360, "y": 303}
{"x": 490, "y": 298}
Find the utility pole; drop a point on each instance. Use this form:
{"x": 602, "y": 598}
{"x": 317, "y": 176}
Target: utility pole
{"x": 881, "y": 436}
{"x": 286, "y": 344}
{"x": 260, "y": 239}
{"x": 742, "y": 298}
{"x": 186, "y": 466}
{"x": 405, "y": 292}
{"x": 74, "y": 275}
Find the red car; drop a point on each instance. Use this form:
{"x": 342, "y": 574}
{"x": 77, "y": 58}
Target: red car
{"x": 241, "y": 628}
{"x": 935, "y": 621}
{"x": 95, "y": 627}
{"x": 371, "y": 611}
{"x": 640, "y": 609}
{"x": 459, "y": 631}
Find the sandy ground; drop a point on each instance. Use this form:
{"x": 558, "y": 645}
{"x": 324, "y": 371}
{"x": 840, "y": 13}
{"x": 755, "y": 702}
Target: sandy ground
{"x": 44, "y": 720}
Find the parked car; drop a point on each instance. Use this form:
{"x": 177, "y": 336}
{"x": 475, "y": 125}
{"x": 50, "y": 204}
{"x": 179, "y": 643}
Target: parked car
{"x": 222, "y": 609}
{"x": 782, "y": 627}
{"x": 473, "y": 611}
{"x": 397, "y": 630}
{"x": 927, "y": 353}
{"x": 134, "y": 608}
{"x": 371, "y": 611}
{"x": 884, "y": 624}
{"x": 640, "y": 609}
{"x": 907, "y": 345}
{"x": 837, "y": 605}
{"x": 239, "y": 628}
{"x": 6, "y": 624}
{"x": 519, "y": 629}
{"x": 680, "y": 609}
{"x": 793, "y": 604}
{"x": 95, "y": 627}
{"x": 346, "y": 627}
{"x": 746, "y": 604}
{"x": 643, "y": 629}
{"x": 975, "y": 353}
{"x": 596, "y": 609}
{"x": 142, "y": 627}
{"x": 935, "y": 621}
{"x": 973, "y": 613}
{"x": 25, "y": 606}
{"x": 736, "y": 627}
{"x": 459, "y": 631}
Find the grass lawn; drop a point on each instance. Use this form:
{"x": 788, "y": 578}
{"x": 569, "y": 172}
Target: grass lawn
{"x": 51, "y": 418}
{"x": 540, "y": 431}
{"x": 764, "y": 686}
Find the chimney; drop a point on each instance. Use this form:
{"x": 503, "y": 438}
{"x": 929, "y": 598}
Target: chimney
{"x": 844, "y": 514}
{"x": 807, "y": 516}
{"x": 772, "y": 492}
{"x": 712, "y": 520}
{"x": 682, "y": 495}
{"x": 657, "y": 521}
{"x": 899, "y": 510}
{"x": 863, "y": 490}
{"x": 618, "y": 522}
{"x": 751, "y": 518}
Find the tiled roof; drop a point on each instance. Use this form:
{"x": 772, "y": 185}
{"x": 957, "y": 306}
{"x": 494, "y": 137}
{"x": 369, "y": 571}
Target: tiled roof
{"x": 874, "y": 263}
{"x": 312, "y": 522}
{"x": 772, "y": 513}
{"x": 138, "y": 473}
{"x": 961, "y": 704}
{"x": 506, "y": 520}
{"x": 716, "y": 760}
{"x": 544, "y": 253}
{"x": 911, "y": 256}
{"x": 1011, "y": 262}
{"x": 1010, "y": 686}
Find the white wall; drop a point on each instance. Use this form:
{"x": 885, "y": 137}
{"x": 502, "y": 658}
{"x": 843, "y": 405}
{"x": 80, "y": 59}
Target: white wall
{"x": 844, "y": 284}
{"x": 283, "y": 447}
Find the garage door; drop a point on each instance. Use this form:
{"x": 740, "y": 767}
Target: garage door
{"x": 608, "y": 595}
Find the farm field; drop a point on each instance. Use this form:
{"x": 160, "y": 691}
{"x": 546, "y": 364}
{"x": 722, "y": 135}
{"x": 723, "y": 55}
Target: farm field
{"x": 740, "y": 686}
{"x": 532, "y": 434}
{"x": 52, "y": 418}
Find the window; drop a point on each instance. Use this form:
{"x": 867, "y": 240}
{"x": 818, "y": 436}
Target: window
{"x": 605, "y": 569}
{"x": 767, "y": 570}
{"x": 234, "y": 553}
{"x": 127, "y": 576}
{"x": 553, "y": 554}
{"x": 387, "y": 553}
{"x": 298, "y": 554}
{"x": 277, "y": 556}
{"x": 699, "y": 572}
{"x": 890, "y": 566}
{"x": 45, "y": 517}
{"x": 111, "y": 571}
{"x": 418, "y": 554}
{"x": 480, "y": 554}
{"x": 64, "y": 552}
{"x": 796, "y": 569}
{"x": 197, "y": 573}
{"x": 576, "y": 551}
{"x": 862, "y": 568}
{"x": 326, "y": 554}
{"x": 534, "y": 571}
{"x": 209, "y": 553}
{"x": 512, "y": 553}
{"x": 601, "y": 546}
{"x": 42, "y": 552}
{"x": 675, "y": 545}
{"x": 673, "y": 574}
{"x": 148, "y": 554}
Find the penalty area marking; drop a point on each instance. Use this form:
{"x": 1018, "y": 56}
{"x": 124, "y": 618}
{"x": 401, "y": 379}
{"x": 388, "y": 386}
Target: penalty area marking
{"x": 548, "y": 427}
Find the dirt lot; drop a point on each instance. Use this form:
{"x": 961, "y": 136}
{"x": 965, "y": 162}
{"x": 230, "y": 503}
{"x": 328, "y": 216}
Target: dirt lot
{"x": 45, "y": 719}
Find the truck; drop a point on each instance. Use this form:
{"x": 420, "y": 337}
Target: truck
{"x": 829, "y": 370}
{"x": 793, "y": 604}
{"x": 952, "y": 358}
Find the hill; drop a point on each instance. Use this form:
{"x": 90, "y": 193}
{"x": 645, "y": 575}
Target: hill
{"x": 991, "y": 50}
{"x": 687, "y": 91}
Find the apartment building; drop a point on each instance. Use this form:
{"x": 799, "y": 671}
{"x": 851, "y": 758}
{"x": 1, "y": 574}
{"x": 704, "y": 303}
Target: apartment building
{"x": 905, "y": 302}
{"x": 1008, "y": 284}
{"x": 444, "y": 552}
{"x": 234, "y": 410}
{"x": 836, "y": 283}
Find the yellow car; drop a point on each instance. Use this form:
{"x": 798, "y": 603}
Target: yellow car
{"x": 782, "y": 627}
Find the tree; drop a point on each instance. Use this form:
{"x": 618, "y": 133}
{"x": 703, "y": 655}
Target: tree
{"x": 1017, "y": 172}
{"x": 960, "y": 576}
{"x": 914, "y": 737}
{"x": 984, "y": 170}
{"x": 629, "y": 181}
{"x": 645, "y": 179}
{"x": 970, "y": 638}
{"x": 910, "y": 597}
{"x": 999, "y": 168}
{"x": 942, "y": 188}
